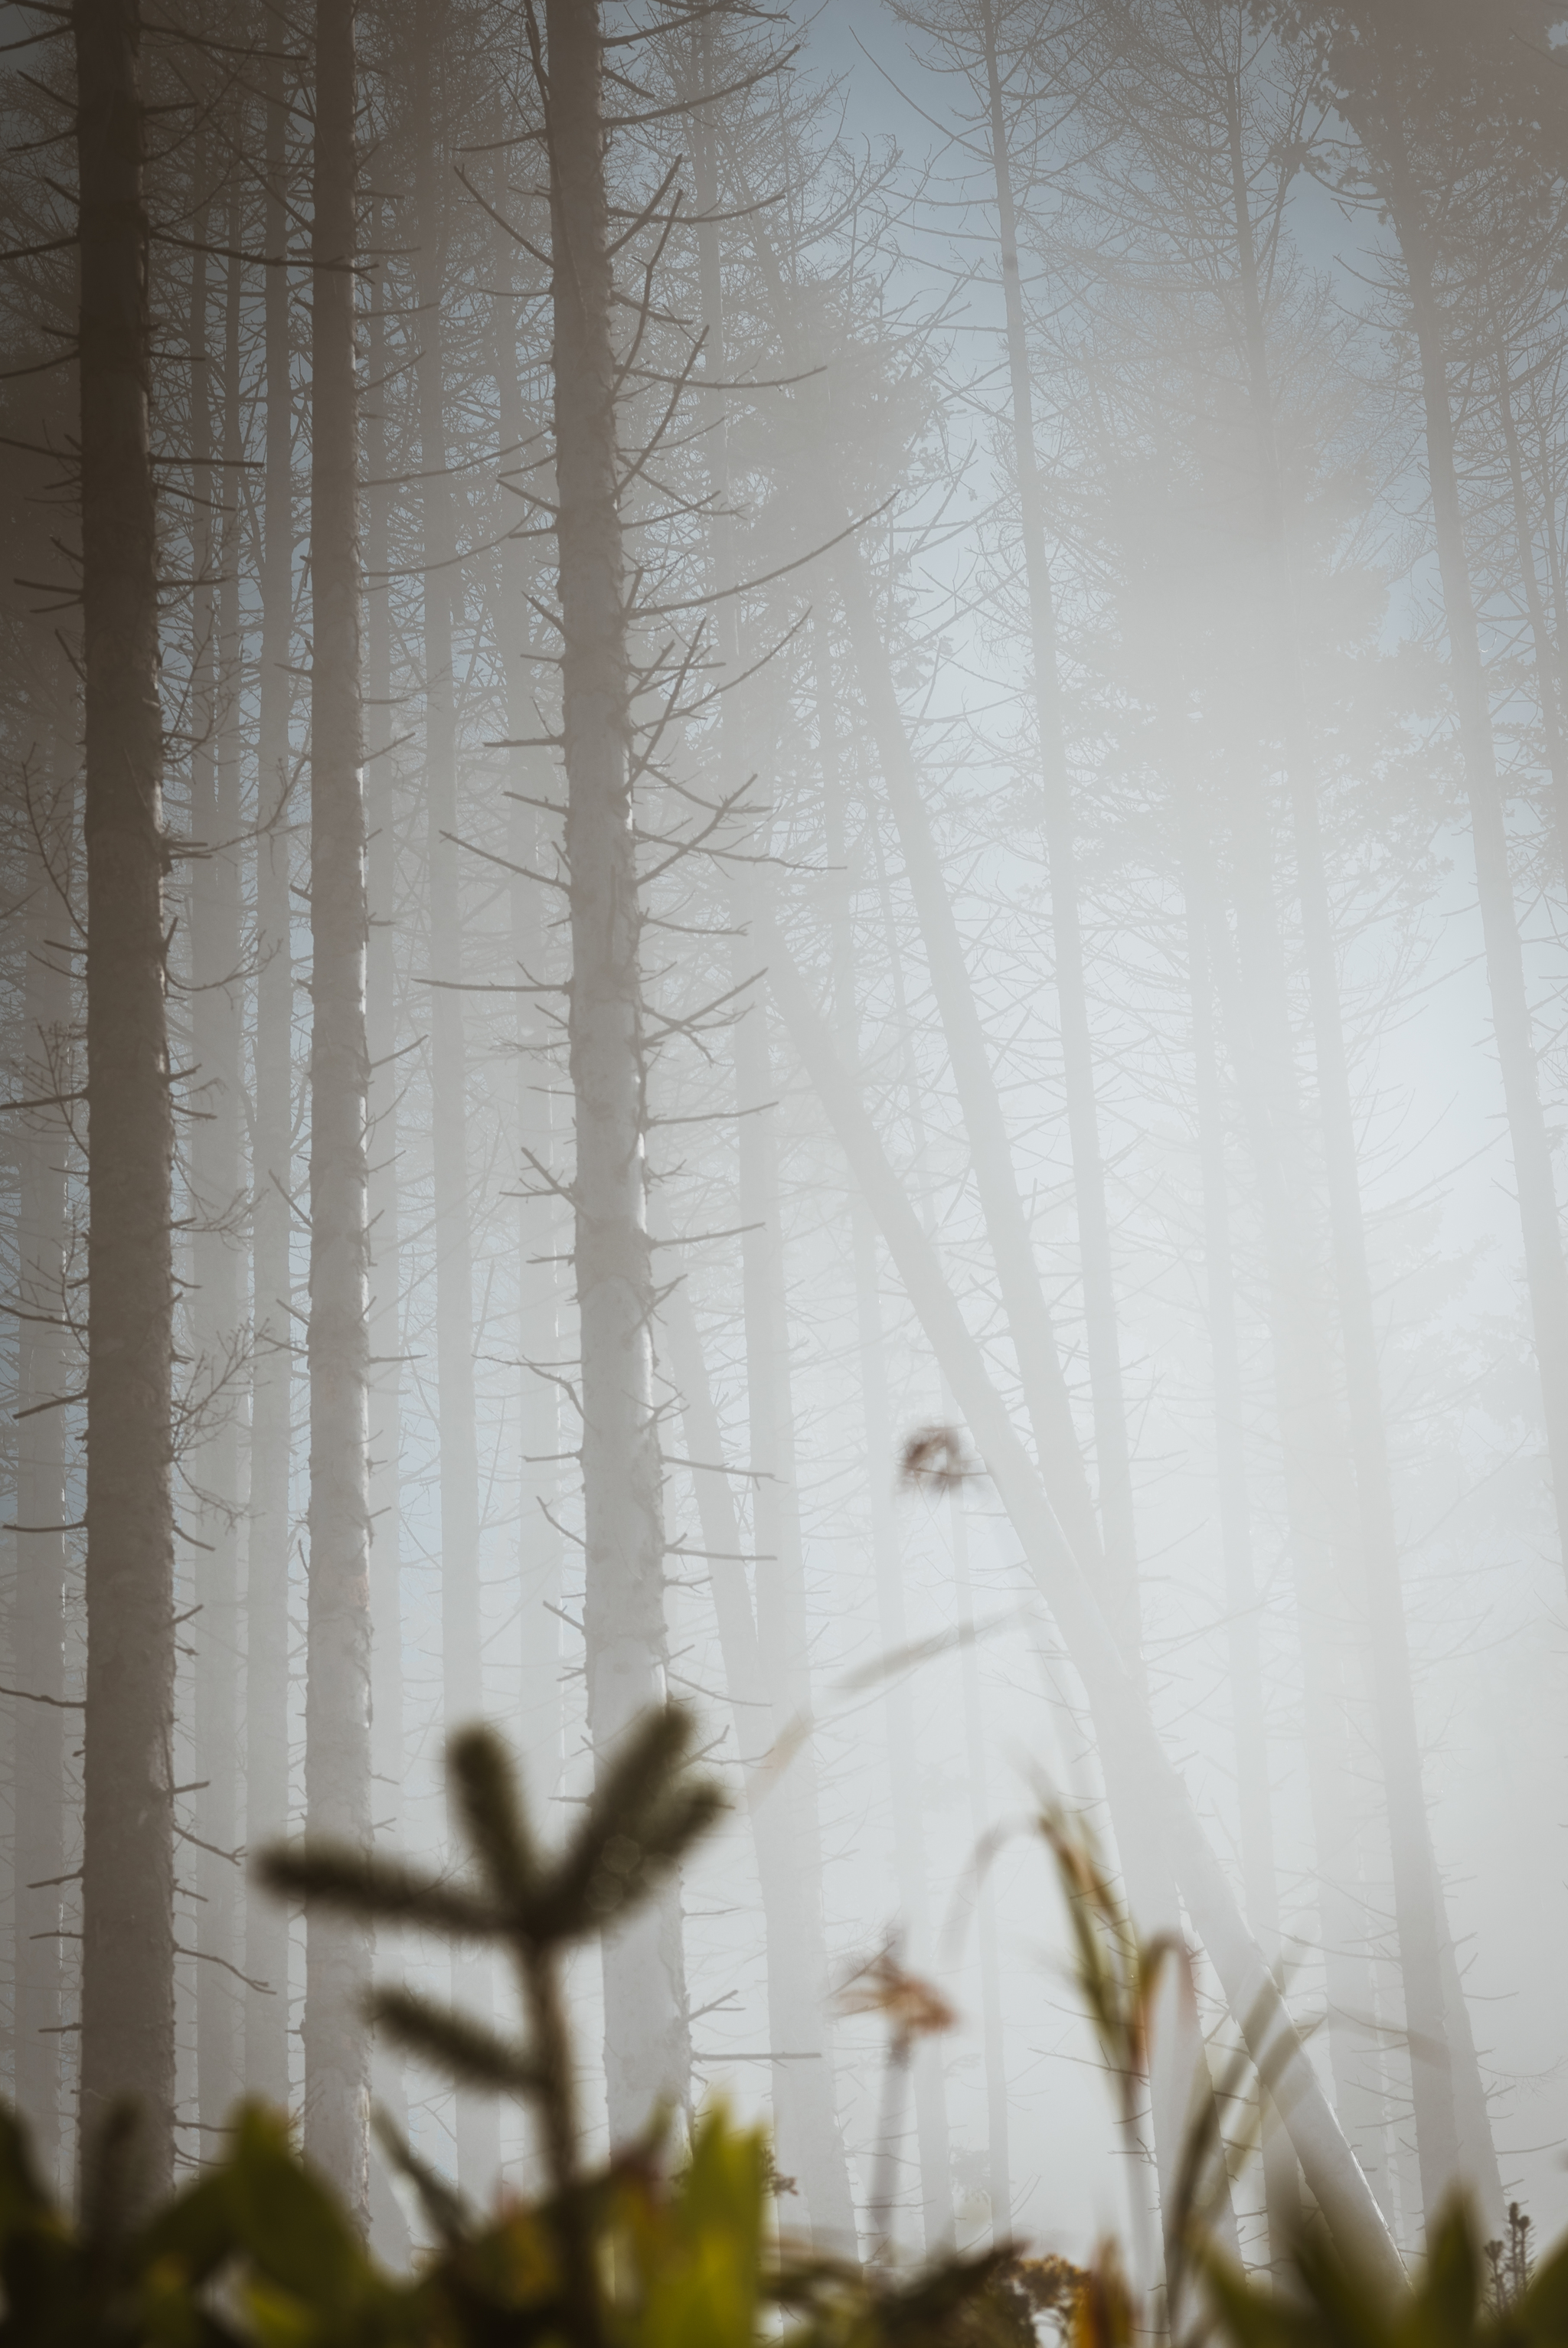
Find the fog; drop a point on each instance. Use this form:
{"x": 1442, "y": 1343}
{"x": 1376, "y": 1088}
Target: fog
{"x": 784, "y": 830}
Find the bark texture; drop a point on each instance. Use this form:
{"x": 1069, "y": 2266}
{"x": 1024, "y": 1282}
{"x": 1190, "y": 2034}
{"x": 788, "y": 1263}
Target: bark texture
{"x": 269, "y": 1522}
{"x": 44, "y": 1368}
{"x": 647, "y": 2036}
{"x": 128, "y": 1927}
{"x": 338, "y": 1681}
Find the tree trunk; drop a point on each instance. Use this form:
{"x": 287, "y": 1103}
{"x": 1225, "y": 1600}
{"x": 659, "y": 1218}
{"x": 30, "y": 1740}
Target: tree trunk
{"x": 539, "y": 1236}
{"x": 1282, "y": 2190}
{"x": 1319, "y": 1504}
{"x": 647, "y": 2038}
{"x": 1127, "y": 1737}
{"x": 798, "y": 2037}
{"x": 382, "y": 1006}
{"x": 272, "y": 1157}
{"x": 127, "y": 1874}
{"x": 337, "y": 1667}
{"x": 1101, "y": 1335}
{"x": 1178, "y": 2074}
{"x": 803, "y": 2093}
{"x": 215, "y": 1462}
{"x": 1545, "y": 1276}
{"x": 44, "y": 1370}
{"x": 1545, "y": 656}
{"x": 1437, "y": 2038}
{"x": 993, "y": 2025}
{"x": 462, "y": 1675}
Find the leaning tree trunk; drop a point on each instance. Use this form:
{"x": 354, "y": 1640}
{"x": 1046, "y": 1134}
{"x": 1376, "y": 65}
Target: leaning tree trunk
{"x": 1124, "y": 1732}
{"x": 1281, "y": 2185}
{"x": 1545, "y": 656}
{"x": 647, "y": 2039}
{"x": 128, "y": 1871}
{"x": 1444, "y": 2072}
{"x": 1546, "y": 1277}
{"x": 271, "y": 1162}
{"x": 338, "y": 1665}
{"x": 1113, "y": 1455}
{"x": 1150, "y": 1888}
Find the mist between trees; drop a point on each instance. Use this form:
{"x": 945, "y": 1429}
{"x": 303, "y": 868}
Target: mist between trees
{"x": 784, "y": 923}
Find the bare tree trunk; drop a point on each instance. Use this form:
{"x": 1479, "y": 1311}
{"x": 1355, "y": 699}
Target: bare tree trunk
{"x": 993, "y": 2038}
{"x": 43, "y": 1366}
{"x": 910, "y": 1870}
{"x": 272, "y": 1339}
{"x": 647, "y": 2041}
{"x": 798, "y": 2037}
{"x": 478, "y": 2119}
{"x": 803, "y": 2091}
{"x": 1547, "y": 656}
{"x": 215, "y": 1461}
{"x": 1150, "y": 1888}
{"x": 1282, "y": 2184}
{"x": 1320, "y": 1506}
{"x": 540, "y": 1237}
{"x": 128, "y": 1873}
{"x": 381, "y": 1024}
{"x": 1545, "y": 1275}
{"x": 1439, "y": 2037}
{"x": 337, "y": 1684}
{"x": 1126, "y": 1733}
{"x": 1113, "y": 1456}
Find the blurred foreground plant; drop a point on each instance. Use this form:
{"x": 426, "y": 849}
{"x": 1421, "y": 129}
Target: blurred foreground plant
{"x": 648, "y": 2251}
{"x": 645, "y": 2251}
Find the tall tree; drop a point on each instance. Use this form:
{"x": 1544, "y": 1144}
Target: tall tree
{"x": 128, "y": 1856}
{"x": 1446, "y": 113}
{"x": 213, "y": 1465}
{"x": 270, "y": 1523}
{"x": 44, "y": 1351}
{"x": 646, "y": 2035}
{"x": 461, "y": 1653}
{"x": 338, "y": 1665}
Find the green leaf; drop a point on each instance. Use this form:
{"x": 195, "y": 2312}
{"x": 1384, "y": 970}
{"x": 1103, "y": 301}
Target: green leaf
{"x": 489, "y": 1801}
{"x": 23, "y": 2199}
{"x": 338, "y": 1876}
{"x": 197, "y": 2229}
{"x": 1448, "y": 2301}
{"x": 290, "y": 2224}
{"x": 474, "y": 2054}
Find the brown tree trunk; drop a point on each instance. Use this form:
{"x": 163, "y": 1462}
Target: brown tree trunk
{"x": 647, "y": 2038}
{"x": 387, "y": 1076}
{"x": 215, "y": 1465}
{"x": 337, "y": 1667}
{"x": 272, "y": 1178}
{"x": 462, "y": 1672}
{"x": 127, "y": 1876}
{"x": 44, "y": 1370}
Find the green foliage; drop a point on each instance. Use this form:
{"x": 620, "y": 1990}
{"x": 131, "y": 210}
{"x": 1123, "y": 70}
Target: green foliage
{"x": 646, "y": 2251}
{"x": 1450, "y": 2305}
